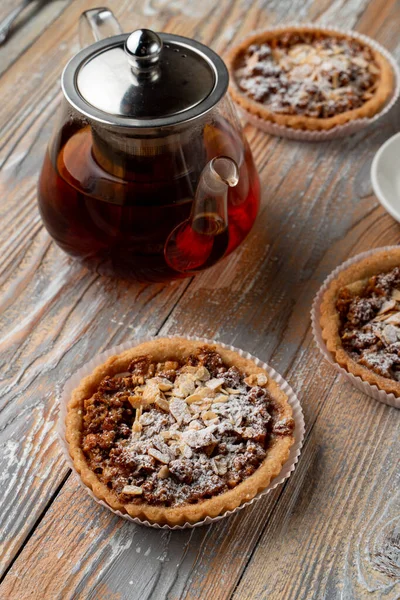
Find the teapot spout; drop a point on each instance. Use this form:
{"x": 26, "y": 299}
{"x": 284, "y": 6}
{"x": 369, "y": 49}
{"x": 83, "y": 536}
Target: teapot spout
{"x": 202, "y": 240}
{"x": 209, "y": 215}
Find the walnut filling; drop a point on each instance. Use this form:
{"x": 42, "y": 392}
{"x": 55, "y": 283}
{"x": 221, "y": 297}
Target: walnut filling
{"x": 308, "y": 74}
{"x": 174, "y": 433}
{"x": 370, "y": 323}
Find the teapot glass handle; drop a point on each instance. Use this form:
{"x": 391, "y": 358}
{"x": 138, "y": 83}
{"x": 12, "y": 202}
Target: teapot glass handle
{"x": 97, "y": 24}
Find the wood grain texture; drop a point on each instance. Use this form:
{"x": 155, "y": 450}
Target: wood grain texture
{"x": 332, "y": 530}
{"x": 28, "y": 27}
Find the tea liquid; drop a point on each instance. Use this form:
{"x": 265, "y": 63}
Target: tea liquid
{"x": 118, "y": 225}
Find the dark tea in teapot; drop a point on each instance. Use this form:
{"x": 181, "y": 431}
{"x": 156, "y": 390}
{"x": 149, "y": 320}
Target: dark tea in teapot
{"x": 118, "y": 223}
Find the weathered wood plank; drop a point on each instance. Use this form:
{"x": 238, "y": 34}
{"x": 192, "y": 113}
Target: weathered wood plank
{"x": 28, "y": 27}
{"x": 258, "y": 299}
{"x": 53, "y": 312}
{"x": 343, "y": 520}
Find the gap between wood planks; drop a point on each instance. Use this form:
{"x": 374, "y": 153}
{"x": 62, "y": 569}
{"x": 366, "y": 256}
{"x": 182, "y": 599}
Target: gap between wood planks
{"x": 36, "y": 524}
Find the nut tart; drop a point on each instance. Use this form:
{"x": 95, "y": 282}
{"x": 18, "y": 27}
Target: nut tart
{"x": 360, "y": 319}
{"x": 309, "y": 78}
{"x": 172, "y": 431}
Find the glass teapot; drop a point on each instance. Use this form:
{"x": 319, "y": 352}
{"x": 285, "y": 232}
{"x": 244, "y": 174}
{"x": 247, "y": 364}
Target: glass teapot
{"x": 148, "y": 175}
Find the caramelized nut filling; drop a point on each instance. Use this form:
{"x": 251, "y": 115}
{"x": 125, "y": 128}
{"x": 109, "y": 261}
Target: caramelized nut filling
{"x": 370, "y": 324}
{"x": 310, "y": 74}
{"x": 174, "y": 433}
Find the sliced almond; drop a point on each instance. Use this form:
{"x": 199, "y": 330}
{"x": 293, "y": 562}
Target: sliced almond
{"x": 193, "y": 398}
{"x": 208, "y": 414}
{"x": 184, "y": 385}
{"x": 135, "y": 401}
{"x": 195, "y": 424}
{"x": 373, "y": 69}
{"x": 132, "y": 490}
{"x": 360, "y": 62}
{"x": 202, "y": 374}
{"x": 221, "y": 465}
{"x": 205, "y": 405}
{"x": 256, "y": 379}
{"x": 393, "y": 319}
{"x": 139, "y": 412}
{"x": 151, "y": 392}
{"x": 123, "y": 374}
{"x": 221, "y": 398}
{"x": 163, "y": 472}
{"x": 262, "y": 379}
{"x": 387, "y": 306}
{"x": 232, "y": 391}
{"x": 162, "y": 403}
{"x": 383, "y": 316}
{"x": 390, "y": 334}
{"x": 146, "y": 418}
{"x": 396, "y": 295}
{"x": 160, "y": 456}
{"x": 137, "y": 426}
{"x": 171, "y": 435}
{"x": 214, "y": 466}
{"x": 179, "y": 410}
{"x": 163, "y": 383}
{"x": 189, "y": 369}
{"x": 186, "y": 451}
{"x": 215, "y": 383}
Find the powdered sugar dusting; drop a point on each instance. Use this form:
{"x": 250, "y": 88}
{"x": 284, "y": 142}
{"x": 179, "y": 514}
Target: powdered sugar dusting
{"x": 306, "y": 75}
{"x": 371, "y": 324}
{"x": 185, "y": 448}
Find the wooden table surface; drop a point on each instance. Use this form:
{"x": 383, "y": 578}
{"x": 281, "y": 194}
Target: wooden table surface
{"x": 332, "y": 531}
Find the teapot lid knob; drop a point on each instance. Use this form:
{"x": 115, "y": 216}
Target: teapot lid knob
{"x": 143, "y": 48}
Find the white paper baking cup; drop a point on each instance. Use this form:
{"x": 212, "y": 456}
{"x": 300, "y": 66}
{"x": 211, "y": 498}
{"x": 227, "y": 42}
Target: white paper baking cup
{"x": 363, "y": 386}
{"x": 287, "y": 468}
{"x": 340, "y": 130}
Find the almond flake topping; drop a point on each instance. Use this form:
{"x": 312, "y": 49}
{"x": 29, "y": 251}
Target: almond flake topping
{"x": 184, "y": 386}
{"x": 387, "y": 306}
{"x": 394, "y": 319}
{"x": 215, "y": 383}
{"x": 163, "y": 472}
{"x": 256, "y": 379}
{"x": 163, "y": 383}
{"x": 179, "y": 410}
{"x": 196, "y": 430}
{"x": 303, "y": 74}
{"x": 151, "y": 392}
{"x": 370, "y": 322}
{"x": 132, "y": 490}
{"x": 202, "y": 374}
{"x": 163, "y": 458}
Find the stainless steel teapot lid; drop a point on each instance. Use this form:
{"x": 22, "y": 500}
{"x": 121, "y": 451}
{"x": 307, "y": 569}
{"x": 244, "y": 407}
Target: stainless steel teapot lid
{"x": 145, "y": 80}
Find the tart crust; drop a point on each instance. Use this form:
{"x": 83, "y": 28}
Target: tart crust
{"x": 380, "y": 262}
{"x": 176, "y": 349}
{"x": 370, "y": 108}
